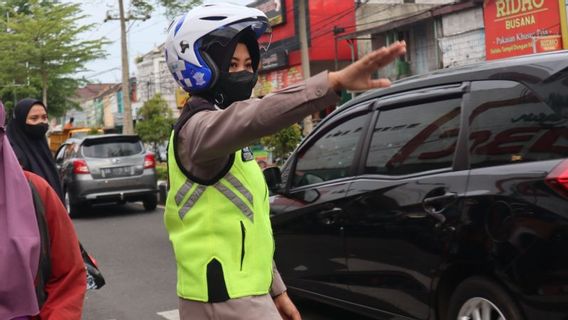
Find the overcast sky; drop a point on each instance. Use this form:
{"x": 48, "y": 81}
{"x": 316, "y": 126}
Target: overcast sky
{"x": 143, "y": 36}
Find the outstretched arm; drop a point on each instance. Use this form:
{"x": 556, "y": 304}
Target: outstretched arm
{"x": 357, "y": 76}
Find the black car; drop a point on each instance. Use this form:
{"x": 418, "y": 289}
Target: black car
{"x": 444, "y": 196}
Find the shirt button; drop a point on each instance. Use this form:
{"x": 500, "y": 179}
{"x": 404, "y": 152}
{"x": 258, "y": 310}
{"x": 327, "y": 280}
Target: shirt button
{"x": 319, "y": 92}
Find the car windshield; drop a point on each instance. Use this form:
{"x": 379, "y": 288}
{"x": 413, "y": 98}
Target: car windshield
{"x": 112, "y": 149}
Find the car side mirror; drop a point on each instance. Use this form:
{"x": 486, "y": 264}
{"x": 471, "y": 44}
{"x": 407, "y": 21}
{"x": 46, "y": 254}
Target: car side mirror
{"x": 273, "y": 178}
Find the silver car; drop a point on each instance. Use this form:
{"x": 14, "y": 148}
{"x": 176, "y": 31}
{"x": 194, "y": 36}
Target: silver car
{"x": 106, "y": 169}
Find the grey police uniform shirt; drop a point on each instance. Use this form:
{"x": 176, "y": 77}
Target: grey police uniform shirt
{"x": 208, "y": 138}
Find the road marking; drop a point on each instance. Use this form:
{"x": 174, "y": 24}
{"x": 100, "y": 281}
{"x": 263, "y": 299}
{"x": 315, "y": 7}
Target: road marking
{"x": 169, "y": 315}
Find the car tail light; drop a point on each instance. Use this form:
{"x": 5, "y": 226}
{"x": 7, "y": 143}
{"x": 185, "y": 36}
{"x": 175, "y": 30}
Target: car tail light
{"x": 80, "y": 167}
{"x": 558, "y": 178}
{"x": 149, "y": 161}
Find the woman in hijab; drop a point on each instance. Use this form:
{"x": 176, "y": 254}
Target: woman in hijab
{"x": 19, "y": 236}
{"x": 27, "y": 136}
{"x": 24, "y": 291}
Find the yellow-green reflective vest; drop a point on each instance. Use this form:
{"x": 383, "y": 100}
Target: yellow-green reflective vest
{"x": 228, "y": 222}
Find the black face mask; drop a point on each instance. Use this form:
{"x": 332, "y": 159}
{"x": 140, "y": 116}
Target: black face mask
{"x": 36, "y": 131}
{"x": 234, "y": 86}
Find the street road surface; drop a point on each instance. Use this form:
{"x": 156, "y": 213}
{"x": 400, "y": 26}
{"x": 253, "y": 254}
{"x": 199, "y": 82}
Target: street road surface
{"x": 135, "y": 257}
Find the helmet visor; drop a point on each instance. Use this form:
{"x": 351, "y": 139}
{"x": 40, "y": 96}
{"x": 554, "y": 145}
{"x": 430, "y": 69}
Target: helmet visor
{"x": 225, "y": 34}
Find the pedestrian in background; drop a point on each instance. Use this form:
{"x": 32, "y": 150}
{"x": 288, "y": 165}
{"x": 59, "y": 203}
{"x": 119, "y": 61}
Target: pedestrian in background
{"x": 69, "y": 124}
{"x": 42, "y": 275}
{"x": 217, "y": 210}
{"x": 27, "y": 132}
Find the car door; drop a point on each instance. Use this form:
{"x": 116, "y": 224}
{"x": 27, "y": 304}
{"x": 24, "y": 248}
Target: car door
{"x": 307, "y": 218}
{"x": 402, "y": 204}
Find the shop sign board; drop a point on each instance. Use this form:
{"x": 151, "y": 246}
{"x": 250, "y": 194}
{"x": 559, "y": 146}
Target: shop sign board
{"x": 547, "y": 43}
{"x": 274, "y": 10}
{"x": 274, "y": 60}
{"x": 511, "y": 26}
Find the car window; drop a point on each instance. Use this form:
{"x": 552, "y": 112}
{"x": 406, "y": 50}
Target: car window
{"x": 107, "y": 149}
{"x": 60, "y": 154}
{"x": 70, "y": 151}
{"x": 415, "y": 138}
{"x": 509, "y": 124}
{"x": 331, "y": 156}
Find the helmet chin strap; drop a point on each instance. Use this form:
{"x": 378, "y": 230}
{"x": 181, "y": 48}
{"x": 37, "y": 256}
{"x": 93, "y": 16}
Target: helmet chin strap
{"x": 219, "y": 99}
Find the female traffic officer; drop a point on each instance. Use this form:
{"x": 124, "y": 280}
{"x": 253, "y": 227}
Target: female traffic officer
{"x": 217, "y": 211}
{"x": 26, "y": 132}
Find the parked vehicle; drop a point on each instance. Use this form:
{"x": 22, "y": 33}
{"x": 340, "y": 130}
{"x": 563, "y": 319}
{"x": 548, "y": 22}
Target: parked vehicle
{"x": 106, "y": 168}
{"x": 444, "y": 196}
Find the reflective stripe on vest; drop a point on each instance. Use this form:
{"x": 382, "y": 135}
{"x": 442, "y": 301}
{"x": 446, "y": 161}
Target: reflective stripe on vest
{"x": 228, "y": 193}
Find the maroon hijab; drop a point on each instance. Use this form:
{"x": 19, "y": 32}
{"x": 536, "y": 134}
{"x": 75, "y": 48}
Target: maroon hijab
{"x": 19, "y": 236}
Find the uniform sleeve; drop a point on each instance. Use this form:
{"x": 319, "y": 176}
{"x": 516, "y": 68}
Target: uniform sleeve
{"x": 209, "y": 137}
{"x": 278, "y": 287}
{"x": 67, "y": 284}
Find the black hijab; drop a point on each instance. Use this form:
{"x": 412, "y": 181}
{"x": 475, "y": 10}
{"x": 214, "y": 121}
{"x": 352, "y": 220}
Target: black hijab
{"x": 33, "y": 154}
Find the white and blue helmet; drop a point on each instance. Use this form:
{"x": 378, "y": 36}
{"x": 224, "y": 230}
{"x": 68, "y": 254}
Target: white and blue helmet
{"x": 190, "y": 34}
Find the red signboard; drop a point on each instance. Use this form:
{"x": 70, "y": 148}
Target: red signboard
{"x": 511, "y": 25}
{"x": 323, "y": 15}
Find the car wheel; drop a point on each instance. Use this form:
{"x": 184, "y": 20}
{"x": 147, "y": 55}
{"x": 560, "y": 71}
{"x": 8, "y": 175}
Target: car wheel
{"x": 150, "y": 202}
{"x": 481, "y": 299}
{"x": 72, "y": 208}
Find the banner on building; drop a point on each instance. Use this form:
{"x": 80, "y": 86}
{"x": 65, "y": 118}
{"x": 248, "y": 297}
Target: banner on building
{"x": 514, "y": 27}
{"x": 277, "y": 79}
{"x": 274, "y": 10}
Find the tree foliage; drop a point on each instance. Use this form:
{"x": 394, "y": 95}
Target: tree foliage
{"x": 157, "y": 121}
{"x": 40, "y": 48}
{"x": 283, "y": 142}
{"x": 173, "y": 7}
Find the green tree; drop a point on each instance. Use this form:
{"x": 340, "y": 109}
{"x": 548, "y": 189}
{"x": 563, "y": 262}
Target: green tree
{"x": 173, "y": 7}
{"x": 40, "y": 45}
{"x": 283, "y": 142}
{"x": 157, "y": 121}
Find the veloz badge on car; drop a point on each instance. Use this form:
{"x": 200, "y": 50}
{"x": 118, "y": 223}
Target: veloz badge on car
{"x": 246, "y": 154}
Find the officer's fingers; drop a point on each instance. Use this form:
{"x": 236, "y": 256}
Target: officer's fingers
{"x": 379, "y": 83}
{"x": 382, "y": 57}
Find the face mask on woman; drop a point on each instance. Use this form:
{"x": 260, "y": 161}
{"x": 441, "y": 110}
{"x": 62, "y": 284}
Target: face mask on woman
{"x": 234, "y": 86}
{"x": 36, "y": 131}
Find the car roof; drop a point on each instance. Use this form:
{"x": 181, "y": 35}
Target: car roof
{"x": 110, "y": 136}
{"x": 93, "y": 138}
{"x": 529, "y": 70}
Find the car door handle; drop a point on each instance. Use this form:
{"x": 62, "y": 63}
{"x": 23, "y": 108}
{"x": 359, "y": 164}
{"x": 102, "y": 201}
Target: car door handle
{"x": 330, "y": 216}
{"x": 437, "y": 204}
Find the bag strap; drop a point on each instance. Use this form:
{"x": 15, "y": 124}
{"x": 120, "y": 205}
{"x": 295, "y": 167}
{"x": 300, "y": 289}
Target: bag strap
{"x": 44, "y": 269}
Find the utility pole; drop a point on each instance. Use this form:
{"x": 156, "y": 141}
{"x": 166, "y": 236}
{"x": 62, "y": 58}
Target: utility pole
{"x": 305, "y": 53}
{"x": 127, "y": 127}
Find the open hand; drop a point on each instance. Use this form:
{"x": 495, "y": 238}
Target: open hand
{"x": 357, "y": 76}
